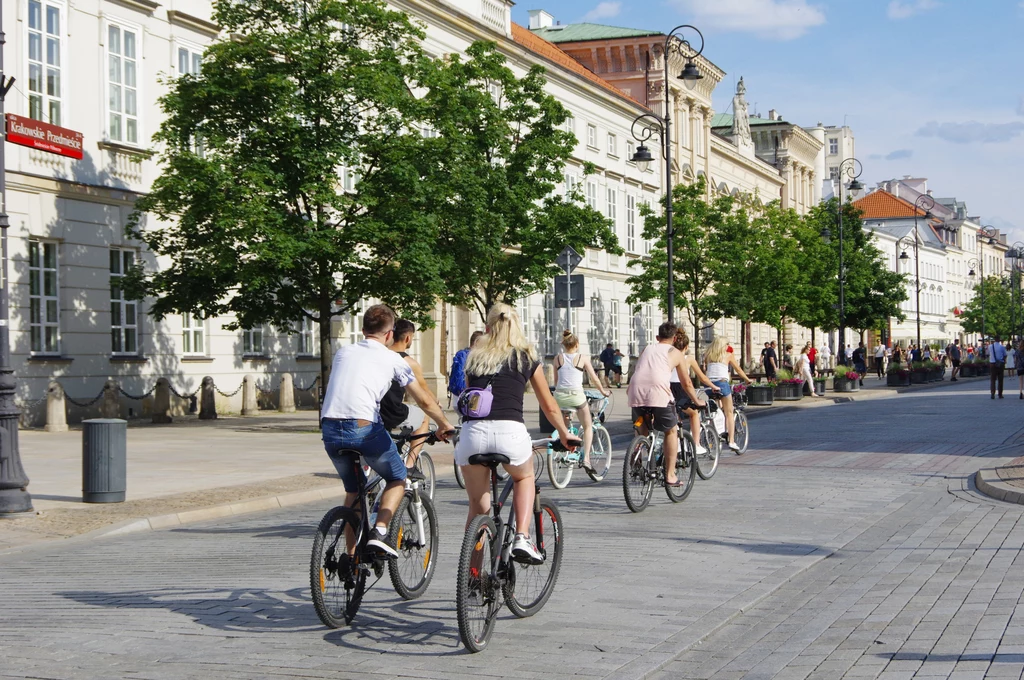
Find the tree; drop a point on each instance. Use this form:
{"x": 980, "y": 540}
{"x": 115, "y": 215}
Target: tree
{"x": 993, "y": 318}
{"x": 493, "y": 166}
{"x": 255, "y": 218}
{"x": 701, "y": 228}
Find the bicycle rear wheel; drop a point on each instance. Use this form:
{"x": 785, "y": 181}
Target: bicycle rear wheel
{"x": 559, "y": 469}
{"x": 477, "y": 593}
{"x": 412, "y": 570}
{"x": 686, "y": 470}
{"x": 707, "y": 462}
{"x": 742, "y": 432}
{"x": 337, "y": 586}
{"x": 528, "y": 586}
{"x": 637, "y": 485}
{"x": 600, "y": 454}
{"x": 458, "y": 477}
{"x": 425, "y": 464}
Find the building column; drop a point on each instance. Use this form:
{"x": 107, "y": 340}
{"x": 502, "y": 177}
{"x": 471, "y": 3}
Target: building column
{"x": 786, "y": 167}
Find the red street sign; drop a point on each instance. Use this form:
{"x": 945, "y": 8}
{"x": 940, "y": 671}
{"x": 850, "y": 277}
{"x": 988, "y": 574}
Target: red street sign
{"x": 43, "y": 136}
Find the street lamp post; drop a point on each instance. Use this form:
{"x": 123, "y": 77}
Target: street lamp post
{"x": 979, "y": 263}
{"x": 852, "y": 168}
{"x": 648, "y": 125}
{"x": 1016, "y": 256}
{"x": 13, "y": 496}
{"x": 926, "y": 203}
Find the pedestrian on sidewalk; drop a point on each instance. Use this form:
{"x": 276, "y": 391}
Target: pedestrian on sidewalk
{"x": 812, "y": 355}
{"x": 608, "y": 363}
{"x": 825, "y": 356}
{"x": 860, "y": 361}
{"x": 771, "y": 361}
{"x": 803, "y": 370}
{"x": 617, "y": 364}
{"x": 897, "y": 355}
{"x": 954, "y": 354}
{"x": 880, "y": 360}
{"x": 996, "y": 366}
{"x": 1018, "y": 360}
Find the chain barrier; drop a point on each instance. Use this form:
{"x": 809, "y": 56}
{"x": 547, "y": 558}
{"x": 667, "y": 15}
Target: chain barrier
{"x": 84, "y": 404}
{"x": 185, "y": 396}
{"x": 225, "y": 394}
{"x": 311, "y": 385}
{"x": 27, "y": 405}
{"x": 132, "y": 396}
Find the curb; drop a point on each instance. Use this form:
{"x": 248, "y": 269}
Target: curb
{"x": 988, "y": 482}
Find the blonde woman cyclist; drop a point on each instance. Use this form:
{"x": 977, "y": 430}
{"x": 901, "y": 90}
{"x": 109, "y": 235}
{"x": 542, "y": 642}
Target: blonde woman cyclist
{"x": 689, "y": 403}
{"x": 504, "y": 360}
{"x": 570, "y": 366}
{"x": 719, "y": 360}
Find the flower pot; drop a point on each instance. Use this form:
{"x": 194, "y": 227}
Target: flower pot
{"x": 980, "y": 370}
{"x": 918, "y": 377}
{"x": 759, "y": 395}
{"x": 789, "y": 392}
{"x": 845, "y": 385}
{"x": 935, "y": 375}
{"x": 819, "y": 388}
{"x": 968, "y": 370}
{"x": 897, "y": 380}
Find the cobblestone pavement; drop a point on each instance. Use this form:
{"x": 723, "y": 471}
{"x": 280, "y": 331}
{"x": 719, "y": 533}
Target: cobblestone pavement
{"x": 848, "y": 541}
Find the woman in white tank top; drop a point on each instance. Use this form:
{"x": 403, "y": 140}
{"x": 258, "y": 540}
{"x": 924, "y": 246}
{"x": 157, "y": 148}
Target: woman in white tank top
{"x": 719, "y": 360}
{"x": 570, "y": 367}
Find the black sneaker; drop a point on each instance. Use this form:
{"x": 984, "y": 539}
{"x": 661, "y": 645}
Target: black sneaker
{"x": 380, "y": 544}
{"x": 415, "y": 474}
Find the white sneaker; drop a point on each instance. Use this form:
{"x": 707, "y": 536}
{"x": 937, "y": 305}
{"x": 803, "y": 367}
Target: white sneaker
{"x": 523, "y": 550}
{"x": 701, "y": 450}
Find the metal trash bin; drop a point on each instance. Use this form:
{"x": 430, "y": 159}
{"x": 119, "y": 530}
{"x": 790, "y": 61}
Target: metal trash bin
{"x": 104, "y": 460}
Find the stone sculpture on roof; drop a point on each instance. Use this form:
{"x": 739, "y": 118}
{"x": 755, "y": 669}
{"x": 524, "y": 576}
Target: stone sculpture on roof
{"x": 740, "y": 117}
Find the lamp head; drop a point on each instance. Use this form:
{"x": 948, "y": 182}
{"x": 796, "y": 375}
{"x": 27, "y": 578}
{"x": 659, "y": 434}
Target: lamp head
{"x": 971, "y": 273}
{"x": 643, "y": 158}
{"x": 855, "y": 185}
{"x": 904, "y": 256}
{"x": 690, "y": 75}
{"x": 826, "y": 235}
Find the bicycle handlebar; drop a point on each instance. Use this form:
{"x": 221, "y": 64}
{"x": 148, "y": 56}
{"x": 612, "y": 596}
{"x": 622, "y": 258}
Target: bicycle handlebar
{"x": 556, "y": 444}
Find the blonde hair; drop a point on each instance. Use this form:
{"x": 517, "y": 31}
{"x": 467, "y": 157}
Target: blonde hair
{"x": 718, "y": 351}
{"x": 503, "y": 344}
{"x": 569, "y": 341}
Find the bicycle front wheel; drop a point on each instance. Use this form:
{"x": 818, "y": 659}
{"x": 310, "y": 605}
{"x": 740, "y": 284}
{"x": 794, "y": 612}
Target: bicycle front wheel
{"x": 412, "y": 570}
{"x": 458, "y": 477}
{"x": 425, "y": 464}
{"x": 600, "y": 454}
{"x": 686, "y": 470}
{"x": 707, "y": 459}
{"x": 637, "y": 484}
{"x": 559, "y": 469}
{"x": 742, "y": 432}
{"x": 477, "y": 594}
{"x": 529, "y": 586}
{"x": 540, "y": 456}
{"x": 337, "y": 586}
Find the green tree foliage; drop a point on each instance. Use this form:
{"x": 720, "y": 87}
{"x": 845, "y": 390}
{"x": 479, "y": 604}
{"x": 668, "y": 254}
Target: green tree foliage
{"x": 995, "y": 317}
{"x": 499, "y": 152}
{"x": 253, "y": 217}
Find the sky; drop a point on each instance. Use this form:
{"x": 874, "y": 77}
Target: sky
{"x": 930, "y": 88}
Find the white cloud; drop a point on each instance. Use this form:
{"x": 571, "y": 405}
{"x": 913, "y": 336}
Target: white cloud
{"x": 972, "y": 132}
{"x": 770, "y": 19}
{"x": 604, "y": 10}
{"x": 1020, "y": 106}
{"x": 904, "y": 9}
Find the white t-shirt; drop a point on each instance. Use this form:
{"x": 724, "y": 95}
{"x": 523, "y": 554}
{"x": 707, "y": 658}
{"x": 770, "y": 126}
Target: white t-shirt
{"x": 360, "y": 376}
{"x": 880, "y": 351}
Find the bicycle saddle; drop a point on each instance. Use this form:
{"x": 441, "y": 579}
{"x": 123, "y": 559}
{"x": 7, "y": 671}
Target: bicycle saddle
{"x": 489, "y": 459}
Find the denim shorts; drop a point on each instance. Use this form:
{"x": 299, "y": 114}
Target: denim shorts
{"x": 724, "y": 386}
{"x": 372, "y": 442}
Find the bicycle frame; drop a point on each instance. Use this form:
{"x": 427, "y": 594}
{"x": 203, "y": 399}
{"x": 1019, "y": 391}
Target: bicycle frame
{"x": 503, "y": 529}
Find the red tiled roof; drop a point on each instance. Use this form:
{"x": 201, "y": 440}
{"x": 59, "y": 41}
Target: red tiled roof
{"x": 551, "y": 52}
{"x": 881, "y": 204}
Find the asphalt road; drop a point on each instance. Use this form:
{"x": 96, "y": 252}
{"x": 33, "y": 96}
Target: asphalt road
{"x": 847, "y": 543}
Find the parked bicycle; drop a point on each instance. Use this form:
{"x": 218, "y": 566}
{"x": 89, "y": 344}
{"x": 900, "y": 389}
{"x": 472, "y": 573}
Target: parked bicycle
{"x": 642, "y": 466}
{"x": 342, "y": 562}
{"x": 561, "y": 464}
{"x": 488, "y": 576}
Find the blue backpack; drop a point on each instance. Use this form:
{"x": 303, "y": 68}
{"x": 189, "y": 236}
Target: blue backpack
{"x": 457, "y": 376}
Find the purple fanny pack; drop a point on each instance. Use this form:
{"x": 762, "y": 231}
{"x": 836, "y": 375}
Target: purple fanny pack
{"x": 475, "y": 402}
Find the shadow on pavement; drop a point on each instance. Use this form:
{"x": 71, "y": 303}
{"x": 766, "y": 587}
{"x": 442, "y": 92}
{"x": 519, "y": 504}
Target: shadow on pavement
{"x": 403, "y": 628}
{"x": 755, "y": 547}
{"x": 940, "y": 658}
{"x": 296, "y": 530}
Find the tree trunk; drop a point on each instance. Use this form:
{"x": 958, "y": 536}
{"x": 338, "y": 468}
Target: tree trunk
{"x": 744, "y": 359}
{"x": 444, "y": 339}
{"x": 326, "y": 353}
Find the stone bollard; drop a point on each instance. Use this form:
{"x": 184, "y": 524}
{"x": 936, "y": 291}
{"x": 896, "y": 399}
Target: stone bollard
{"x": 286, "y": 394}
{"x": 208, "y": 400}
{"x": 549, "y": 373}
{"x": 249, "y": 405}
{"x": 56, "y": 413}
{"x": 162, "y": 402}
{"x": 110, "y": 404}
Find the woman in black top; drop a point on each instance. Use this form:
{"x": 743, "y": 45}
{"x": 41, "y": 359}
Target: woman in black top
{"x": 505, "y": 360}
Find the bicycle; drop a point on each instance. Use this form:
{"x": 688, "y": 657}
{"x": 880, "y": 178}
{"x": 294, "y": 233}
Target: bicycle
{"x": 741, "y": 428}
{"x": 502, "y": 473}
{"x": 709, "y": 440}
{"x": 338, "y": 573}
{"x": 488, "y": 576}
{"x": 561, "y": 464}
{"x": 643, "y": 466}
{"x": 422, "y": 469}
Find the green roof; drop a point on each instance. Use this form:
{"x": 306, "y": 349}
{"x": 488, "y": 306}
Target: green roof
{"x": 584, "y": 32}
{"x": 722, "y": 120}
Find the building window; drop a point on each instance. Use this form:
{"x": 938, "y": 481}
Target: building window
{"x": 592, "y": 136}
{"x": 523, "y": 310}
{"x": 44, "y": 298}
{"x": 306, "y": 340}
{"x": 570, "y": 125}
{"x": 189, "y": 61}
{"x": 648, "y": 322}
{"x": 614, "y": 313}
{"x": 252, "y": 341}
{"x": 833, "y": 146}
{"x": 612, "y": 205}
{"x": 124, "y": 317}
{"x": 631, "y": 224}
{"x": 193, "y": 337}
{"x": 592, "y": 195}
{"x": 613, "y": 145}
{"x": 122, "y": 84}
{"x": 630, "y": 150}
{"x": 549, "y": 323}
{"x": 833, "y": 173}
{"x": 349, "y": 178}
{"x": 572, "y": 182}
{"x": 44, "y": 61}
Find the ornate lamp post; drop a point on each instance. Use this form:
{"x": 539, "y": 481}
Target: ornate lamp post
{"x": 978, "y": 263}
{"x": 852, "y": 168}
{"x": 926, "y": 203}
{"x": 649, "y": 125}
{"x": 13, "y": 480}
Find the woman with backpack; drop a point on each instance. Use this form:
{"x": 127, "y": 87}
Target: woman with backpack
{"x": 570, "y": 367}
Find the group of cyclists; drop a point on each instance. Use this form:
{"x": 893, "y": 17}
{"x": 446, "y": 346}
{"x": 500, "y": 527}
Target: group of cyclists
{"x": 365, "y": 401}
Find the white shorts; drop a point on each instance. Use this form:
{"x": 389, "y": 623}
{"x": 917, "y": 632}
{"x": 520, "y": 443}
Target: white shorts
{"x": 494, "y": 436}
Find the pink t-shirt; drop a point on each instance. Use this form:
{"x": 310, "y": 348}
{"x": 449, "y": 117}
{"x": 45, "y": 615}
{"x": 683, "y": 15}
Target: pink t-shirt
{"x": 649, "y": 385}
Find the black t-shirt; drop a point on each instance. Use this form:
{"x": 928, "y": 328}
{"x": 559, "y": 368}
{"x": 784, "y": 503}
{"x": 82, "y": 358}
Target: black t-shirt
{"x": 508, "y": 387}
{"x": 393, "y": 409}
{"x": 858, "y": 355}
{"x": 770, "y": 354}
